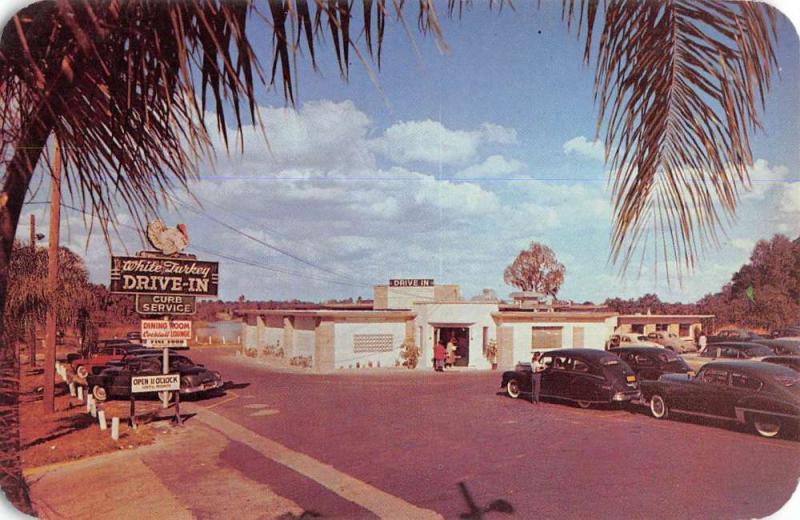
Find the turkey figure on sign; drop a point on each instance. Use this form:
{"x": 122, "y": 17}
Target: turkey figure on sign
{"x": 169, "y": 241}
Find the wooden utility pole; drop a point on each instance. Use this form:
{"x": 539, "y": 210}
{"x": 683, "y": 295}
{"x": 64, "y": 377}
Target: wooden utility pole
{"x": 52, "y": 283}
{"x": 32, "y": 325}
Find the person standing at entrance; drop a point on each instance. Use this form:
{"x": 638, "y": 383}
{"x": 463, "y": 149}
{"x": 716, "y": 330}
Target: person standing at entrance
{"x": 452, "y": 347}
{"x": 438, "y": 357}
{"x": 537, "y": 367}
{"x": 701, "y": 342}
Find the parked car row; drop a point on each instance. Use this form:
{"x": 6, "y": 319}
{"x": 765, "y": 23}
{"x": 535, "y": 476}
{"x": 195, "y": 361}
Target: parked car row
{"x": 746, "y": 383}
{"x": 667, "y": 340}
{"x": 107, "y": 369}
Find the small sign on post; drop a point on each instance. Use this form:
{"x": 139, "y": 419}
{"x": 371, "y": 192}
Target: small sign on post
{"x": 156, "y": 383}
{"x": 166, "y": 332}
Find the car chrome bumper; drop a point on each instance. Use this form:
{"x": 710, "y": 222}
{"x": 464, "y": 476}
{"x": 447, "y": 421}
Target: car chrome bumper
{"x": 204, "y": 387}
{"x": 626, "y": 396}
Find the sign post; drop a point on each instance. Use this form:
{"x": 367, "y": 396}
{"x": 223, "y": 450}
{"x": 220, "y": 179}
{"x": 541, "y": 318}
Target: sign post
{"x": 162, "y": 384}
{"x": 166, "y": 283}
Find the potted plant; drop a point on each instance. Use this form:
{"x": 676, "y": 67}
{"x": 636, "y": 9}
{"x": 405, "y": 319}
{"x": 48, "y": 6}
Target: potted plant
{"x": 410, "y": 353}
{"x": 491, "y": 353}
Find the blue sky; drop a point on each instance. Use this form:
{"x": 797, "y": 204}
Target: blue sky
{"x": 449, "y": 168}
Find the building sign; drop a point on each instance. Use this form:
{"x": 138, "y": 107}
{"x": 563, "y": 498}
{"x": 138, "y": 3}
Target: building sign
{"x": 164, "y": 276}
{"x": 159, "y": 383}
{"x": 411, "y": 282}
{"x": 163, "y": 304}
{"x": 164, "y": 332}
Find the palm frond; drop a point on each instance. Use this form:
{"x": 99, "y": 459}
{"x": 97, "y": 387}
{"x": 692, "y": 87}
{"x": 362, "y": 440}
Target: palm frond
{"x": 125, "y": 85}
{"x": 679, "y": 85}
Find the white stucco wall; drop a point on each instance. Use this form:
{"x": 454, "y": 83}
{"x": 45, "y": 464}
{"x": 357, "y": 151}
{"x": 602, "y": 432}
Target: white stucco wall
{"x": 595, "y": 335}
{"x": 249, "y": 336}
{"x": 345, "y": 357}
{"x": 474, "y": 316}
{"x": 272, "y": 335}
{"x": 404, "y": 297}
{"x": 303, "y": 342}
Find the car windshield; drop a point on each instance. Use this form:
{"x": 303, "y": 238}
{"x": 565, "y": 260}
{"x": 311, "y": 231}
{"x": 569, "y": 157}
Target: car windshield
{"x": 180, "y": 362}
{"x": 668, "y": 355}
{"x": 758, "y": 350}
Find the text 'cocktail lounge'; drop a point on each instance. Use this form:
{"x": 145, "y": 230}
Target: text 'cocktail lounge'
{"x": 479, "y": 332}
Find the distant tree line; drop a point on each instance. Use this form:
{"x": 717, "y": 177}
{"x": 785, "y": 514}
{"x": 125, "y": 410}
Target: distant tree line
{"x": 649, "y": 303}
{"x": 765, "y": 292}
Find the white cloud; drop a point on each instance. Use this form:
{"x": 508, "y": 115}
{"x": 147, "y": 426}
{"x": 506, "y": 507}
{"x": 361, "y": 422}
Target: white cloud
{"x": 790, "y": 198}
{"x": 585, "y": 148}
{"x": 431, "y": 142}
{"x": 492, "y": 133}
{"x": 764, "y": 178}
{"x": 494, "y": 166}
{"x": 743, "y": 244}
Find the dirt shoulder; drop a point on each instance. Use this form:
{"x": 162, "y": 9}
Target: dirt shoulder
{"x": 71, "y": 433}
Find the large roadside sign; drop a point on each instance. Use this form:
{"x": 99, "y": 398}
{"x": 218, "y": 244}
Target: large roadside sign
{"x": 165, "y": 304}
{"x": 163, "y": 276}
{"x": 158, "y": 383}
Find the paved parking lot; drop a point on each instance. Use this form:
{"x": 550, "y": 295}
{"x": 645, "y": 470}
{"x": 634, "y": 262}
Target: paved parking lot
{"x": 420, "y": 436}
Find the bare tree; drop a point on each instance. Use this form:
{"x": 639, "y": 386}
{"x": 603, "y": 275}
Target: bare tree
{"x": 536, "y": 269}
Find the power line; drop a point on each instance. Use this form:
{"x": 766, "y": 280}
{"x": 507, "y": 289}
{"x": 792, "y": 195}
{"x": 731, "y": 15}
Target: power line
{"x": 267, "y": 244}
{"x": 239, "y": 260}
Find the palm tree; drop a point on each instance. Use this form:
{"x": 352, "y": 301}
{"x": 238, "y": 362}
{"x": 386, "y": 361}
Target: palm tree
{"x": 123, "y": 85}
{"x": 26, "y": 300}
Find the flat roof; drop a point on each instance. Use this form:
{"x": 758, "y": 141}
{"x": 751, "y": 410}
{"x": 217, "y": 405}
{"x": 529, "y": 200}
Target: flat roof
{"x": 331, "y": 313}
{"x": 552, "y": 316}
{"x": 647, "y": 317}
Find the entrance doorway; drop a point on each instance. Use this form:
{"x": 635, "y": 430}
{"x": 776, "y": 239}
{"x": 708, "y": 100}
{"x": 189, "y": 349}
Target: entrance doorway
{"x": 461, "y": 335}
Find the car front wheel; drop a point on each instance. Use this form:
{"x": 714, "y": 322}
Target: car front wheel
{"x": 512, "y": 389}
{"x": 658, "y": 407}
{"x": 99, "y": 393}
{"x": 767, "y": 426}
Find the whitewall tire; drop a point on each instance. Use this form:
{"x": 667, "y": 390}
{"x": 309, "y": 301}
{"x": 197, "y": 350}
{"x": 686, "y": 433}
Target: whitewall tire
{"x": 658, "y": 407}
{"x": 99, "y": 393}
{"x": 512, "y": 389}
{"x": 767, "y": 427}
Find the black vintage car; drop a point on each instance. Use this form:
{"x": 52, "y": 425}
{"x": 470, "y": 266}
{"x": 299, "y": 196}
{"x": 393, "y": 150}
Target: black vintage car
{"x": 581, "y": 375}
{"x": 782, "y": 346}
{"x": 786, "y": 332}
{"x": 650, "y": 362}
{"x": 792, "y": 362}
{"x": 733, "y": 335}
{"x": 736, "y": 350}
{"x": 764, "y": 395}
{"x": 115, "y": 381}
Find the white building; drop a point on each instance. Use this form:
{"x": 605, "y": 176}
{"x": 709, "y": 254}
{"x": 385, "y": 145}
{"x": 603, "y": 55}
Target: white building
{"x": 372, "y": 335}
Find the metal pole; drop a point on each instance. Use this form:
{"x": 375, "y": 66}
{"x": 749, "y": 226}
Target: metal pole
{"x": 52, "y": 282}
{"x": 32, "y": 326}
{"x": 133, "y": 410}
{"x": 165, "y": 370}
{"x": 178, "y": 407}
